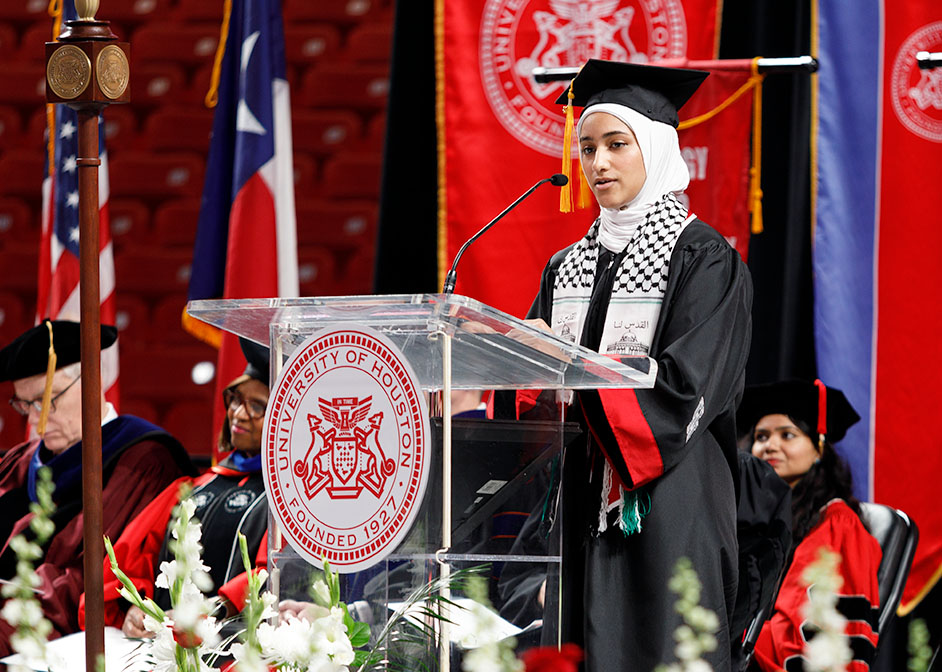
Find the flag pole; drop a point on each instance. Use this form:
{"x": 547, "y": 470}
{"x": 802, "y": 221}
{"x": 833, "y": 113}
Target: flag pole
{"x": 87, "y": 69}
{"x": 806, "y": 64}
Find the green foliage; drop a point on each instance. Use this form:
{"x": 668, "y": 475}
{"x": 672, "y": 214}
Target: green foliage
{"x": 920, "y": 653}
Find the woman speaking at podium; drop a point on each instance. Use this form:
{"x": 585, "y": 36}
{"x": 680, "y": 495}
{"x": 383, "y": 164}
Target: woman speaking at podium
{"x": 654, "y": 481}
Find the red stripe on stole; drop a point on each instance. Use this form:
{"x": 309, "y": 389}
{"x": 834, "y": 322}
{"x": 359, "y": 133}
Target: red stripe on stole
{"x": 633, "y": 435}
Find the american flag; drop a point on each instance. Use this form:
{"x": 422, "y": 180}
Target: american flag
{"x": 246, "y": 241}
{"x": 58, "y": 289}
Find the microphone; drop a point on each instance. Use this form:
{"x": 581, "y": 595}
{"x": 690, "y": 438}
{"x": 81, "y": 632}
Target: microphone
{"x": 557, "y": 180}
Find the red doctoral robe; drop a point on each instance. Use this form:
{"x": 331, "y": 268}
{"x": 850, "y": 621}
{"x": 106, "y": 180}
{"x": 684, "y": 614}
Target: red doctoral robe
{"x": 782, "y": 639}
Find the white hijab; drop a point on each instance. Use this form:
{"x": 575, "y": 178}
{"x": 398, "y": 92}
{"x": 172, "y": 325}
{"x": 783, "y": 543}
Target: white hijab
{"x": 666, "y": 171}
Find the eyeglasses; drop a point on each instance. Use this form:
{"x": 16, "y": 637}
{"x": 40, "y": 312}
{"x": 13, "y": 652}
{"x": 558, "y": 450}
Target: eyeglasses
{"x": 253, "y": 408}
{"x": 22, "y": 406}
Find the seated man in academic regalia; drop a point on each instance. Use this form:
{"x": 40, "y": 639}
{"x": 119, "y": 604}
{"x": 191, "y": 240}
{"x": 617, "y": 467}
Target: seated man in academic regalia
{"x": 139, "y": 459}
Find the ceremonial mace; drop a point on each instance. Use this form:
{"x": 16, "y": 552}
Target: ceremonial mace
{"x": 87, "y": 69}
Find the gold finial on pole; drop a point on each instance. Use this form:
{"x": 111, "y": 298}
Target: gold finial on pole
{"x": 86, "y": 9}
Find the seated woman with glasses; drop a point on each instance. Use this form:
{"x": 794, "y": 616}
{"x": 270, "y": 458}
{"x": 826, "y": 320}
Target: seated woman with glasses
{"x": 230, "y": 498}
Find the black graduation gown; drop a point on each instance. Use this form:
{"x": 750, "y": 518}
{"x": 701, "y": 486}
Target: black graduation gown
{"x": 616, "y": 603}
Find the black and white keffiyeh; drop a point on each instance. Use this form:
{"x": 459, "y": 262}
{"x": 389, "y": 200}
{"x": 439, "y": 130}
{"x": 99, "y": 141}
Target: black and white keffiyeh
{"x": 633, "y": 311}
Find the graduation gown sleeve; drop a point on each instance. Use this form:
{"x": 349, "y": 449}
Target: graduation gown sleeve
{"x": 782, "y": 640}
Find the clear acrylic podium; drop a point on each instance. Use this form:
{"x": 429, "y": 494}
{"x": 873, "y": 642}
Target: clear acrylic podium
{"x": 490, "y": 502}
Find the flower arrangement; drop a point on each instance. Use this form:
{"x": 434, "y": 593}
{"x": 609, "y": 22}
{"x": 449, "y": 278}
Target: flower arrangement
{"x": 920, "y": 652}
{"x": 185, "y": 641}
{"x": 21, "y": 608}
{"x": 321, "y": 637}
{"x": 696, "y": 635}
{"x": 829, "y": 649}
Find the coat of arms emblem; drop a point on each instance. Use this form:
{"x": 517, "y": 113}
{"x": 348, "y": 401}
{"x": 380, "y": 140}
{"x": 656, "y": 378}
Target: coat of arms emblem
{"x": 345, "y": 455}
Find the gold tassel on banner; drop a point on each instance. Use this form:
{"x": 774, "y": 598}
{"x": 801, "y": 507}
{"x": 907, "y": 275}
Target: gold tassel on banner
{"x": 755, "y": 172}
{"x": 565, "y": 194}
{"x": 47, "y": 392}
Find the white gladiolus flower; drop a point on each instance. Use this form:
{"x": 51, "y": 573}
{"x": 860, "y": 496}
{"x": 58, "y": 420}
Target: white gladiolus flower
{"x": 478, "y": 627}
{"x": 321, "y": 593}
{"x": 163, "y": 650}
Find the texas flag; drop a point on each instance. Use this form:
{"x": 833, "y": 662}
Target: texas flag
{"x": 246, "y": 244}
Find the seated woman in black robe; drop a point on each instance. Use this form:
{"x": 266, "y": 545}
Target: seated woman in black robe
{"x": 230, "y": 498}
{"x": 793, "y": 425}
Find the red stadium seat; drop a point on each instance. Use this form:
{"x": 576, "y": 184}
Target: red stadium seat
{"x": 179, "y": 128}
{"x": 141, "y": 408}
{"x": 198, "y": 10}
{"x": 23, "y": 11}
{"x": 21, "y": 172}
{"x": 11, "y": 127}
{"x": 120, "y": 128}
{"x": 130, "y": 222}
{"x": 146, "y": 175}
{"x": 18, "y": 224}
{"x": 188, "y": 43}
{"x": 134, "y": 11}
{"x": 24, "y": 83}
{"x": 153, "y": 272}
{"x": 360, "y": 87}
{"x": 306, "y": 174}
{"x": 168, "y": 314}
{"x": 323, "y": 132}
{"x": 356, "y": 276}
{"x": 341, "y": 12}
{"x": 339, "y": 225}
{"x": 376, "y": 130}
{"x": 132, "y": 317}
{"x": 370, "y": 43}
{"x": 316, "y": 271}
{"x": 19, "y": 264}
{"x": 175, "y": 222}
{"x": 34, "y": 135}
{"x": 157, "y": 84}
{"x": 162, "y": 373}
{"x": 192, "y": 423}
{"x": 7, "y": 41}
{"x": 311, "y": 43}
{"x": 353, "y": 176}
{"x": 15, "y": 317}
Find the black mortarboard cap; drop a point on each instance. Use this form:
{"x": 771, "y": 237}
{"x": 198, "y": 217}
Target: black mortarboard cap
{"x": 257, "y": 357}
{"x": 799, "y": 400}
{"x": 28, "y": 354}
{"x": 654, "y": 91}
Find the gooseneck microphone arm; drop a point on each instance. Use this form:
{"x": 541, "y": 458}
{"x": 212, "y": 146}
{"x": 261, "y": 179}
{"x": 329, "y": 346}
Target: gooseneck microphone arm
{"x": 558, "y": 180}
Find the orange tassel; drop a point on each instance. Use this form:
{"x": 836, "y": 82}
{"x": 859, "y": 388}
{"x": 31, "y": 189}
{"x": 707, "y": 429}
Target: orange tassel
{"x": 47, "y": 391}
{"x": 755, "y": 172}
{"x": 565, "y": 194}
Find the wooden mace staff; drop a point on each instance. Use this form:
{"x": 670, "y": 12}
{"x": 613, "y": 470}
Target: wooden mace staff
{"x": 87, "y": 69}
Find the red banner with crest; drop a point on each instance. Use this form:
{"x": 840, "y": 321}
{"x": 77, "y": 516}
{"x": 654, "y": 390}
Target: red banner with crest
{"x": 500, "y": 131}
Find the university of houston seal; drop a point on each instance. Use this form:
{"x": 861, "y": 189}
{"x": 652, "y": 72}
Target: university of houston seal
{"x": 345, "y": 448}
{"x": 519, "y": 35}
